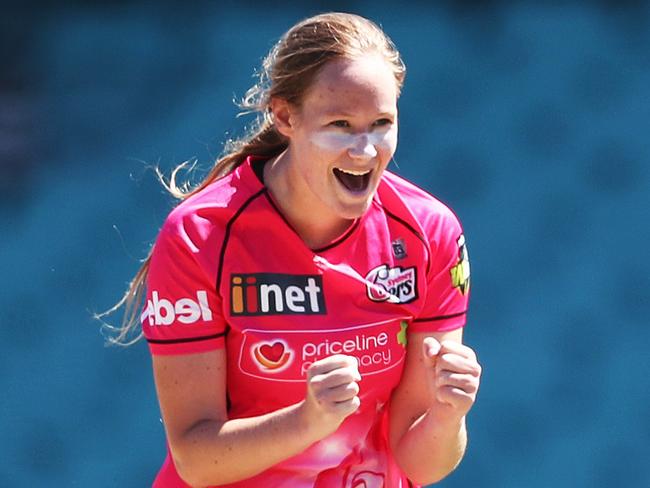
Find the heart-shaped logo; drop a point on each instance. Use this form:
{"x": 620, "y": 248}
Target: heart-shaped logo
{"x": 272, "y": 356}
{"x": 272, "y": 353}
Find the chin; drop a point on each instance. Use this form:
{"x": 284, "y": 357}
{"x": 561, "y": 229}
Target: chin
{"x": 355, "y": 211}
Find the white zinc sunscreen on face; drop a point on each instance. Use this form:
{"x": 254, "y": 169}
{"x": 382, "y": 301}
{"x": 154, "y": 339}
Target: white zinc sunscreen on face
{"x": 364, "y": 144}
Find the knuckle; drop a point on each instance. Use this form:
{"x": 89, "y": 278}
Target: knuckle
{"x": 468, "y": 352}
{"x": 462, "y": 381}
{"x": 468, "y": 401}
{"x": 442, "y": 378}
{"x": 319, "y": 396}
{"x": 471, "y": 387}
{"x": 316, "y": 381}
{"x": 448, "y": 358}
{"x": 356, "y": 402}
{"x": 346, "y": 375}
{"x": 316, "y": 365}
{"x": 339, "y": 378}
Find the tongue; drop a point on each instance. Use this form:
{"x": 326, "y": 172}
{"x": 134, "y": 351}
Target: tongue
{"x": 352, "y": 182}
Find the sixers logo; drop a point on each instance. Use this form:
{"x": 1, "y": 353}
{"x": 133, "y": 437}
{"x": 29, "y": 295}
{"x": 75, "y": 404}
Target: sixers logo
{"x": 272, "y": 356}
{"x": 393, "y": 285}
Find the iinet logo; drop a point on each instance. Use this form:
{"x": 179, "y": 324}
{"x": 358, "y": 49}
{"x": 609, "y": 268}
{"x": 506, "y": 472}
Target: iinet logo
{"x": 161, "y": 311}
{"x": 276, "y": 294}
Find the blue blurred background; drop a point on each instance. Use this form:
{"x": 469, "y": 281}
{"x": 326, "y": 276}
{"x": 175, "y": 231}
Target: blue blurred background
{"x": 531, "y": 121}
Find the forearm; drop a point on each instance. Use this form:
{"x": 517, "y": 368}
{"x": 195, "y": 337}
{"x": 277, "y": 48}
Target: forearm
{"x": 214, "y": 453}
{"x": 431, "y": 449}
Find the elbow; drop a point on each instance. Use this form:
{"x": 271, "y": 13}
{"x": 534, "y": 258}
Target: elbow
{"x": 427, "y": 473}
{"x": 198, "y": 471}
{"x": 422, "y": 476}
{"x": 196, "y": 463}
{"x": 425, "y": 479}
{"x": 191, "y": 469}
{"x": 189, "y": 472}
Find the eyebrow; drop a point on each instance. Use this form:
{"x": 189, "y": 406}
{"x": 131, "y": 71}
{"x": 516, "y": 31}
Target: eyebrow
{"x": 343, "y": 113}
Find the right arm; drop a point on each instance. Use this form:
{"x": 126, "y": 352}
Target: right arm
{"x": 209, "y": 449}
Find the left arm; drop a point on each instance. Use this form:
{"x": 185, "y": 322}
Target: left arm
{"x": 428, "y": 408}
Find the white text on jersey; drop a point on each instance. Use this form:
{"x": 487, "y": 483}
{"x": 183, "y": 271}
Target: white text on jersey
{"x": 161, "y": 311}
{"x": 276, "y": 294}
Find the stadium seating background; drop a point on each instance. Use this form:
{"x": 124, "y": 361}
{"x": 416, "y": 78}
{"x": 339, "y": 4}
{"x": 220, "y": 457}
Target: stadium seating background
{"x": 530, "y": 121}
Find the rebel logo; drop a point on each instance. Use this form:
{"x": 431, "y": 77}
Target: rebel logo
{"x": 161, "y": 311}
{"x": 393, "y": 285}
{"x": 276, "y": 294}
{"x": 273, "y": 356}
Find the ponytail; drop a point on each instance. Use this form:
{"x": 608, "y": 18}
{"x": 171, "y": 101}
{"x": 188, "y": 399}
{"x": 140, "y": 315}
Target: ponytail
{"x": 288, "y": 71}
{"x": 264, "y": 141}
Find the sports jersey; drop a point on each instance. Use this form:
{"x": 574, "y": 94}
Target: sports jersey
{"x": 228, "y": 270}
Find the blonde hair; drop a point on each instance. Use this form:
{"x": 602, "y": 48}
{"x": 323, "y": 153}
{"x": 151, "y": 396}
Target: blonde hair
{"x": 287, "y": 72}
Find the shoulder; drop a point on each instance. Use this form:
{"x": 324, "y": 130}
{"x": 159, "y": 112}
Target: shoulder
{"x": 412, "y": 203}
{"x": 205, "y": 216}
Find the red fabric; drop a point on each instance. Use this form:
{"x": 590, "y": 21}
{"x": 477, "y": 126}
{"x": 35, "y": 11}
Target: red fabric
{"x": 228, "y": 271}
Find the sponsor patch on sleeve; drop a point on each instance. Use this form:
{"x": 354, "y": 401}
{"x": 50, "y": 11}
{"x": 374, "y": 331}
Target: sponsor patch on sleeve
{"x": 460, "y": 272}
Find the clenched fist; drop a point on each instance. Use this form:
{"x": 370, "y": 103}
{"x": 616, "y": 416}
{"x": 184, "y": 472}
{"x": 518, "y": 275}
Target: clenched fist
{"x": 454, "y": 376}
{"x": 332, "y": 391}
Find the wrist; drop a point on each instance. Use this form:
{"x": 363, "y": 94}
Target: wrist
{"x": 312, "y": 424}
{"x": 445, "y": 423}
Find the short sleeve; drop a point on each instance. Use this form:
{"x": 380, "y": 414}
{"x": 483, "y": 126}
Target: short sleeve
{"x": 182, "y": 312}
{"x": 448, "y": 278}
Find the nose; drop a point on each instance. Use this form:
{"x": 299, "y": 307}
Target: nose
{"x": 361, "y": 148}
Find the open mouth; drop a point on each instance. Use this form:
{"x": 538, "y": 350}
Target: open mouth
{"x": 356, "y": 181}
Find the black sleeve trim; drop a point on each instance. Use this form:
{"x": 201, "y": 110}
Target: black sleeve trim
{"x": 440, "y": 317}
{"x": 188, "y": 339}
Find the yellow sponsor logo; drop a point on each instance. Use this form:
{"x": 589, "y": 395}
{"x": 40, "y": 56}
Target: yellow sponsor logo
{"x": 460, "y": 273}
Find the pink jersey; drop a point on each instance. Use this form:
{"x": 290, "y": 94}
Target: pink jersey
{"x": 228, "y": 271}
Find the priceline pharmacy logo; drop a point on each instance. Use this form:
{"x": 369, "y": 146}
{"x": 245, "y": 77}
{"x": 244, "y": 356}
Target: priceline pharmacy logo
{"x": 276, "y": 294}
{"x": 263, "y": 354}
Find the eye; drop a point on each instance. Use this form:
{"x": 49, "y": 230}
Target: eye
{"x": 382, "y": 122}
{"x": 340, "y": 123}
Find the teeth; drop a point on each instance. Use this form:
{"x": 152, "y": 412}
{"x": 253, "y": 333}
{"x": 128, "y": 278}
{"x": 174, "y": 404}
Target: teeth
{"x": 354, "y": 172}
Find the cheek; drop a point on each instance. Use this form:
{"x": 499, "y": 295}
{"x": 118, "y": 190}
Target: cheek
{"x": 385, "y": 142}
{"x": 331, "y": 142}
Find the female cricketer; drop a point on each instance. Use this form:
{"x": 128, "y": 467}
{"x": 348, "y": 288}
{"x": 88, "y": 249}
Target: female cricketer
{"x": 304, "y": 306}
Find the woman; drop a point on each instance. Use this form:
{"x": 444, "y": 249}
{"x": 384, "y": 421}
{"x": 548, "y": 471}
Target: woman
{"x": 304, "y": 306}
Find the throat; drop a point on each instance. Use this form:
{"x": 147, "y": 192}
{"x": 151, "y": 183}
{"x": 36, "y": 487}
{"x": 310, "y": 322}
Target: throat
{"x": 316, "y": 237}
{"x": 314, "y": 222}
{"x": 314, "y": 228}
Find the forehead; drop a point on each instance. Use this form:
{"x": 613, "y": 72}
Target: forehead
{"x": 349, "y": 85}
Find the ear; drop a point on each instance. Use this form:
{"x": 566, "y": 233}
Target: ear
{"x": 283, "y": 116}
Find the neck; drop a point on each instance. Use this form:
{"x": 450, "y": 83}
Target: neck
{"x": 316, "y": 225}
